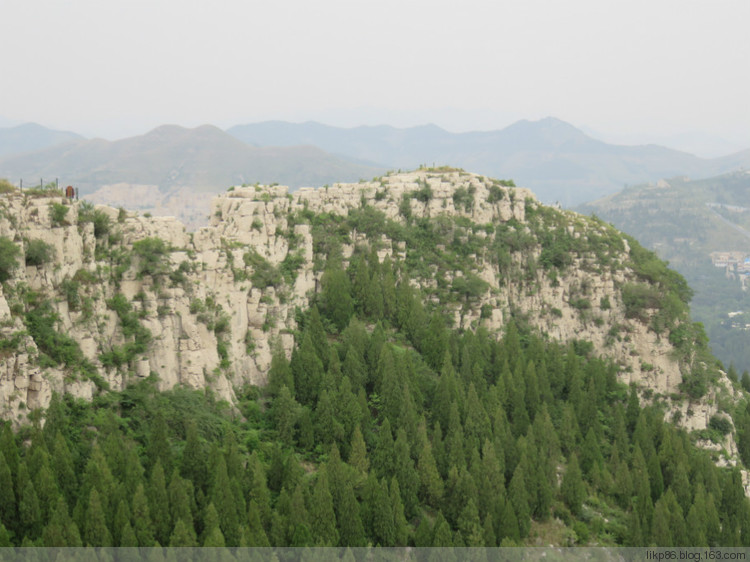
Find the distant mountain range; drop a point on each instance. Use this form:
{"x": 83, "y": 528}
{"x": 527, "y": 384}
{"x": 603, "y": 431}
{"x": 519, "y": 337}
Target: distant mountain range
{"x": 553, "y": 158}
{"x": 204, "y": 158}
{"x": 30, "y": 137}
{"x": 559, "y": 162}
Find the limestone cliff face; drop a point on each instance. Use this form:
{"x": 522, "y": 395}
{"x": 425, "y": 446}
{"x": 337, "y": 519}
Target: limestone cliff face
{"x": 211, "y": 326}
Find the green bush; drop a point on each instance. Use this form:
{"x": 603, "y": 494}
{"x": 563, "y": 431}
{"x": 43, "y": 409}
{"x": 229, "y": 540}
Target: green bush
{"x": 57, "y": 213}
{"x": 404, "y": 208}
{"x": 580, "y": 303}
{"x": 55, "y": 348}
{"x": 9, "y": 253}
{"x": 464, "y": 198}
{"x": 70, "y": 289}
{"x": 151, "y": 253}
{"x": 290, "y": 265}
{"x": 38, "y": 252}
{"x": 100, "y": 219}
{"x": 6, "y": 186}
{"x": 264, "y": 273}
{"x": 637, "y": 298}
{"x": 424, "y": 194}
{"x": 720, "y": 424}
{"x": 131, "y": 327}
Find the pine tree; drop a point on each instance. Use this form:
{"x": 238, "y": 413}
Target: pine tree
{"x": 623, "y": 485}
{"x": 327, "y": 427}
{"x": 258, "y": 489}
{"x": 634, "y": 535}
{"x": 280, "y": 372}
{"x": 142, "y": 523}
{"x": 453, "y": 500}
{"x": 284, "y": 414}
{"x": 407, "y": 476}
{"x": 128, "y": 538}
{"x": 122, "y": 516}
{"x": 491, "y": 482}
{"x": 358, "y": 456}
{"x": 307, "y": 370}
{"x": 351, "y": 530}
{"x": 193, "y": 463}
{"x": 212, "y": 535}
{"x": 159, "y": 503}
{"x": 435, "y": 342}
{"x": 158, "y": 447}
{"x": 255, "y": 534}
{"x": 431, "y": 485}
{"x": 62, "y": 467}
{"x": 7, "y": 496}
{"x": 400, "y": 525}
{"x": 633, "y": 410}
{"x": 360, "y": 282}
{"x": 696, "y": 526}
{"x": 518, "y": 497}
{"x": 318, "y": 336}
{"x": 225, "y": 502}
{"x": 661, "y": 531}
{"x": 454, "y": 442}
{"x": 9, "y": 449}
{"x": 572, "y": 489}
{"x": 442, "y": 533}
{"x": 642, "y": 488}
{"x": 322, "y": 517}
{"x": 346, "y": 407}
{"x": 354, "y": 368}
{"x": 383, "y": 456}
{"x": 381, "y": 515}
{"x": 591, "y": 455}
{"x": 96, "y": 533}
{"x": 61, "y": 530}
{"x": 180, "y": 494}
{"x": 713, "y": 525}
{"x": 183, "y": 535}
{"x": 374, "y": 298}
{"x": 477, "y": 424}
{"x": 470, "y": 525}
{"x": 336, "y": 299}
{"x": 30, "y": 512}
{"x": 423, "y": 536}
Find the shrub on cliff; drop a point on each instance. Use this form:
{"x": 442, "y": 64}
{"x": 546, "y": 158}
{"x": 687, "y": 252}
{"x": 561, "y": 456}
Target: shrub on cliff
{"x": 38, "y": 252}
{"x": 9, "y": 253}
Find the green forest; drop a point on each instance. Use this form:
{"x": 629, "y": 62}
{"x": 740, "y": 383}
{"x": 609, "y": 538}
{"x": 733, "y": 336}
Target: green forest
{"x": 385, "y": 428}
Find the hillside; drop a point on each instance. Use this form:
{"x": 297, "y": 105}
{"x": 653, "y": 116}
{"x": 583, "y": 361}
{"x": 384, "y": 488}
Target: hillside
{"x": 30, "y": 137}
{"x": 386, "y": 350}
{"x": 685, "y": 221}
{"x": 557, "y": 161}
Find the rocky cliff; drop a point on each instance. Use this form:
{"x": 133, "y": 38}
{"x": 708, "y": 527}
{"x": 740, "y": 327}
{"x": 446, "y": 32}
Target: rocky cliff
{"x": 100, "y": 297}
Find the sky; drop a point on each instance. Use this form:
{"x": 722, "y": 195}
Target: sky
{"x": 630, "y": 71}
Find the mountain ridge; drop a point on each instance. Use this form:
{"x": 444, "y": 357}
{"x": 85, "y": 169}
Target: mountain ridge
{"x": 173, "y": 156}
{"x": 30, "y": 137}
{"x": 554, "y": 158}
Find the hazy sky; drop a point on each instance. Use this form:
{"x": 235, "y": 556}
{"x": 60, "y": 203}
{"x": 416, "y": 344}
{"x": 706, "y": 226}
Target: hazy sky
{"x": 114, "y": 68}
